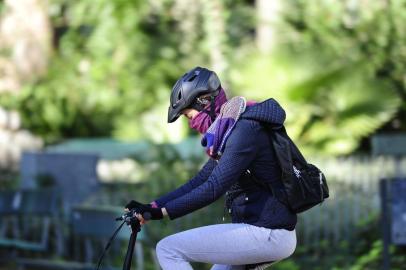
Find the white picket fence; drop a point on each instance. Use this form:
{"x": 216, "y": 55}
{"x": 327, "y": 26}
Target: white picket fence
{"x": 354, "y": 196}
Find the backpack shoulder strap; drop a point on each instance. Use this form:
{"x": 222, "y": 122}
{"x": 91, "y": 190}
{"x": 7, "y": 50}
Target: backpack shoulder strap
{"x": 279, "y": 136}
{"x": 282, "y": 147}
{"x": 296, "y": 154}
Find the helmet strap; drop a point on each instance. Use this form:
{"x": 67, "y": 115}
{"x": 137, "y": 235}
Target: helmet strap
{"x": 198, "y": 106}
{"x": 212, "y": 108}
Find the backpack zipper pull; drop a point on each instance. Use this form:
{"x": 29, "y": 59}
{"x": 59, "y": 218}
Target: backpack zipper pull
{"x": 321, "y": 186}
{"x": 225, "y": 207}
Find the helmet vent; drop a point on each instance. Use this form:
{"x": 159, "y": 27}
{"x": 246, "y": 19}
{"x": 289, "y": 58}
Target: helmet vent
{"x": 180, "y": 95}
{"x": 192, "y": 78}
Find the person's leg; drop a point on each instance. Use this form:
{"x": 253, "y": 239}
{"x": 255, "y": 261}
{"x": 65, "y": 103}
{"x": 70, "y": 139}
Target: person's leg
{"x": 225, "y": 244}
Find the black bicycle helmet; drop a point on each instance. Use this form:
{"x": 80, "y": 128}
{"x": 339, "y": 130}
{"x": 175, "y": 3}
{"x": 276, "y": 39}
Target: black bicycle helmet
{"x": 196, "y": 82}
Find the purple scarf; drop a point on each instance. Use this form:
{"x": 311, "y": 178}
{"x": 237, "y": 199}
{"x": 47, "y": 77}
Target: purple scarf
{"x": 202, "y": 121}
{"x": 215, "y": 138}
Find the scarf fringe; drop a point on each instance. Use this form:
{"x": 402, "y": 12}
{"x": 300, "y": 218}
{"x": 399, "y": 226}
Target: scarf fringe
{"x": 215, "y": 138}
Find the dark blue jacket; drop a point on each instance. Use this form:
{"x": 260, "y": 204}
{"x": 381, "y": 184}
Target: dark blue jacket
{"x": 248, "y": 147}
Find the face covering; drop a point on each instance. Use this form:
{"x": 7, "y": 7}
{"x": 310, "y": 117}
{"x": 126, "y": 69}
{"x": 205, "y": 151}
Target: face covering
{"x": 202, "y": 121}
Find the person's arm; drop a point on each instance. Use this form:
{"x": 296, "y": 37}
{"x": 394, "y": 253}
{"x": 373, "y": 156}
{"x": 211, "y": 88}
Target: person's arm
{"x": 240, "y": 151}
{"x": 196, "y": 181}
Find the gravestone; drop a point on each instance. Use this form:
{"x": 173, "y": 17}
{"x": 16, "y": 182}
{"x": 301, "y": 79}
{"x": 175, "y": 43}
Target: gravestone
{"x": 398, "y": 207}
{"x": 74, "y": 175}
{"x": 392, "y": 192}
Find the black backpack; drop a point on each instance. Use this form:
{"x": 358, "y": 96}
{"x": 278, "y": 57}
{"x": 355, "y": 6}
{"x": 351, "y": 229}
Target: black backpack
{"x": 305, "y": 185}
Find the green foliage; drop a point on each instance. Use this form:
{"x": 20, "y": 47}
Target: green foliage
{"x": 370, "y": 31}
{"x": 363, "y": 252}
{"x": 286, "y": 265}
{"x": 113, "y": 65}
{"x": 330, "y": 107}
{"x": 368, "y": 250}
{"x": 370, "y": 260}
{"x": 1, "y": 7}
{"x": 107, "y": 72}
{"x": 338, "y": 73}
{"x": 240, "y": 22}
{"x": 9, "y": 179}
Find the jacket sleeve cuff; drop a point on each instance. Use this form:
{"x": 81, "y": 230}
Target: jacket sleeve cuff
{"x": 172, "y": 213}
{"x": 154, "y": 204}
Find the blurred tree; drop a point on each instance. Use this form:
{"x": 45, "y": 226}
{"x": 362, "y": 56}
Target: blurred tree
{"x": 25, "y": 45}
{"x": 25, "y": 49}
{"x": 268, "y": 15}
{"x": 329, "y": 108}
{"x": 333, "y": 72}
{"x": 216, "y": 38}
{"x": 107, "y": 71}
{"x": 356, "y": 30}
{"x": 189, "y": 18}
{"x": 115, "y": 62}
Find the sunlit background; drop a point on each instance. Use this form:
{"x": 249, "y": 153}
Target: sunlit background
{"x": 84, "y": 92}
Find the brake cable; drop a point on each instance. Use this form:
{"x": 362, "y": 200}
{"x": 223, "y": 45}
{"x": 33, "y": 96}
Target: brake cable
{"x": 130, "y": 219}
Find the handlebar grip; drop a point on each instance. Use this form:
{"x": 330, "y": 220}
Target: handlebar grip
{"x": 128, "y": 215}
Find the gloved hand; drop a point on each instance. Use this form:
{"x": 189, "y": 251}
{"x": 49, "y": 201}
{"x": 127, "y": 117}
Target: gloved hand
{"x": 155, "y": 213}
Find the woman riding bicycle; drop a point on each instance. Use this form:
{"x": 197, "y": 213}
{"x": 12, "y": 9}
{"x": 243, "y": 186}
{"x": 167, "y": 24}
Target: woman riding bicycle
{"x": 242, "y": 165}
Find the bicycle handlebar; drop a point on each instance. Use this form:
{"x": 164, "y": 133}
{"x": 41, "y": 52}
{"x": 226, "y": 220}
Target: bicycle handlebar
{"x": 132, "y": 221}
{"x": 128, "y": 216}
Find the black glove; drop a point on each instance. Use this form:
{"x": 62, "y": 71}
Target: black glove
{"x": 145, "y": 210}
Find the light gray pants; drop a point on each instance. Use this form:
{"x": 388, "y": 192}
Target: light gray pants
{"x": 227, "y": 246}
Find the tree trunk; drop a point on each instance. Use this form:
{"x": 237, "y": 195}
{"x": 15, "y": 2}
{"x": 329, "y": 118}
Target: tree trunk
{"x": 216, "y": 38}
{"x": 188, "y": 16}
{"x": 268, "y": 14}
